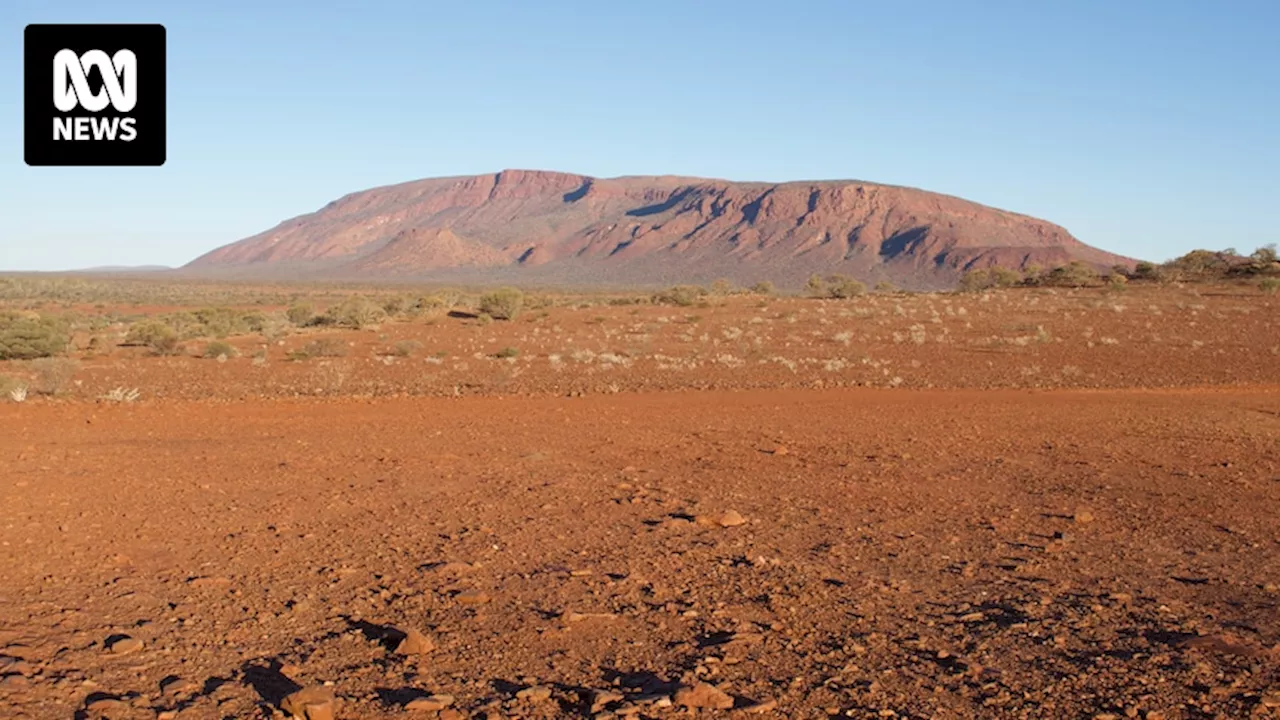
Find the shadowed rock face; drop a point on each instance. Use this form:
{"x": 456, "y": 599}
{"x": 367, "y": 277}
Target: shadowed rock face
{"x": 550, "y": 227}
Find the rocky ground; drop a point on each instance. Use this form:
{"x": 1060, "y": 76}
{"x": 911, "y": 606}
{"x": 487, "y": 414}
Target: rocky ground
{"x": 656, "y": 550}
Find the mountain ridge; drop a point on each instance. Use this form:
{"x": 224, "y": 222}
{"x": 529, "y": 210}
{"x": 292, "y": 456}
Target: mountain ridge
{"x": 566, "y": 228}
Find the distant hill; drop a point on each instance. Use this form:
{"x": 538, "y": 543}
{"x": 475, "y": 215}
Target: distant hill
{"x": 550, "y": 227}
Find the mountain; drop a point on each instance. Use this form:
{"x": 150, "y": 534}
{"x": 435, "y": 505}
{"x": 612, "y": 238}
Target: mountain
{"x": 557, "y": 228}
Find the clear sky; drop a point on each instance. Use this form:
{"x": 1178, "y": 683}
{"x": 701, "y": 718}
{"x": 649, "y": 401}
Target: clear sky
{"x": 1146, "y": 127}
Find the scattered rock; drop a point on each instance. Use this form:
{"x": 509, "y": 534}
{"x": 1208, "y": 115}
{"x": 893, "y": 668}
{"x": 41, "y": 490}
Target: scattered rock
{"x": 731, "y": 518}
{"x": 312, "y": 703}
{"x": 472, "y": 597}
{"x": 107, "y": 707}
{"x": 450, "y": 714}
{"x": 1083, "y": 517}
{"x": 435, "y": 703}
{"x": 763, "y": 706}
{"x": 13, "y": 681}
{"x": 703, "y": 695}
{"x": 537, "y": 693}
{"x": 600, "y": 699}
{"x": 415, "y": 643}
{"x": 125, "y": 645}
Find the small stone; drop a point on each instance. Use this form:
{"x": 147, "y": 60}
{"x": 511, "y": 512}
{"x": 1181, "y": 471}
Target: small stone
{"x": 1271, "y": 700}
{"x": 177, "y": 686}
{"x": 415, "y": 643}
{"x": 435, "y": 703}
{"x": 731, "y": 518}
{"x": 472, "y": 597}
{"x": 537, "y": 693}
{"x": 781, "y": 450}
{"x": 449, "y": 714}
{"x": 13, "y": 681}
{"x": 312, "y": 703}
{"x": 703, "y": 695}
{"x": 167, "y": 715}
{"x": 762, "y": 707}
{"x": 1083, "y": 517}
{"x": 107, "y": 707}
{"x": 126, "y": 645}
{"x": 601, "y": 698}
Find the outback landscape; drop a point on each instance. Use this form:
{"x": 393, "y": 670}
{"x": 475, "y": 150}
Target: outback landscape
{"x": 1044, "y": 494}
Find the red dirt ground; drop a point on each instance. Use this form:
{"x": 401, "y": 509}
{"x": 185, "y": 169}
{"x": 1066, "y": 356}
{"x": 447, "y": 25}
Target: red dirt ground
{"x": 971, "y": 550}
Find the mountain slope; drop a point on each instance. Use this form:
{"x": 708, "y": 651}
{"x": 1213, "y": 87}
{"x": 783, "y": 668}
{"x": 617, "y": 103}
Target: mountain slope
{"x": 562, "y": 228}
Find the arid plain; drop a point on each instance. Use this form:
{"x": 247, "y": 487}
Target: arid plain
{"x": 1028, "y": 502}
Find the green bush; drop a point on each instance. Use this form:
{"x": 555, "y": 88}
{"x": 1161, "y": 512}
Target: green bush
{"x": 355, "y": 312}
{"x": 502, "y": 304}
{"x": 155, "y": 335}
{"x": 219, "y": 348}
{"x": 841, "y": 287}
{"x": 300, "y": 314}
{"x": 1270, "y": 285}
{"x": 680, "y": 295}
{"x": 24, "y": 337}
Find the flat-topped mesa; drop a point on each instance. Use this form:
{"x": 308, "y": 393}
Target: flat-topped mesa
{"x": 563, "y": 228}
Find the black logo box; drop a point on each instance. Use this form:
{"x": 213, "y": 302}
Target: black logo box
{"x": 42, "y": 42}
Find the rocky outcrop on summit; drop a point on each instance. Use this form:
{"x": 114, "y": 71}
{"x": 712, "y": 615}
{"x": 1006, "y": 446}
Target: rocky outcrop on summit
{"x": 559, "y": 228}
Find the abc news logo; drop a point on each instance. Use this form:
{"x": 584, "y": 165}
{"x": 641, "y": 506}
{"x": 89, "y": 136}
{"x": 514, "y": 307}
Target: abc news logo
{"x": 95, "y": 94}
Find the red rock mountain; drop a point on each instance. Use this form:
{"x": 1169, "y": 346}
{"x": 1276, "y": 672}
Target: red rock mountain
{"x": 557, "y": 228}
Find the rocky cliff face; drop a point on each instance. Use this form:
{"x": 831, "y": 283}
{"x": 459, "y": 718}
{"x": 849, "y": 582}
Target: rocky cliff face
{"x": 547, "y": 227}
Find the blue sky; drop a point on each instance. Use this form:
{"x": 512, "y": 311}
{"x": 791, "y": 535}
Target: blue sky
{"x": 1144, "y": 127}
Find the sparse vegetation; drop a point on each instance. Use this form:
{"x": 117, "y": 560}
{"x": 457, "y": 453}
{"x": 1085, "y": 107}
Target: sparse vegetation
{"x": 155, "y": 335}
{"x": 357, "y": 312}
{"x": 507, "y": 352}
{"x": 680, "y": 295}
{"x": 320, "y": 347}
{"x": 300, "y": 314}
{"x": 1270, "y": 285}
{"x": 28, "y": 336}
{"x": 764, "y": 287}
{"x": 52, "y": 375}
{"x": 406, "y": 348}
{"x": 502, "y": 304}
{"x": 219, "y": 348}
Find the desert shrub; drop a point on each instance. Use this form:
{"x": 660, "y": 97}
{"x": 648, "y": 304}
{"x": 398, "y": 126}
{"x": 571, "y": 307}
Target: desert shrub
{"x": 1264, "y": 259}
{"x": 406, "y": 348}
{"x": 1270, "y": 285}
{"x": 255, "y": 321}
{"x": 764, "y": 287}
{"x": 507, "y": 352}
{"x": 884, "y": 286}
{"x": 396, "y": 305}
{"x": 320, "y": 347}
{"x": 992, "y": 277}
{"x": 356, "y": 312}
{"x": 53, "y": 374}
{"x": 220, "y": 322}
{"x": 1073, "y": 274}
{"x": 502, "y": 304}
{"x": 816, "y": 286}
{"x": 1145, "y": 271}
{"x": 300, "y": 314}
{"x": 155, "y": 335}
{"x": 842, "y": 287}
{"x": 12, "y": 388}
{"x": 219, "y": 348}
{"x": 1201, "y": 264}
{"x": 680, "y": 295}
{"x": 24, "y": 337}
{"x": 722, "y": 287}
